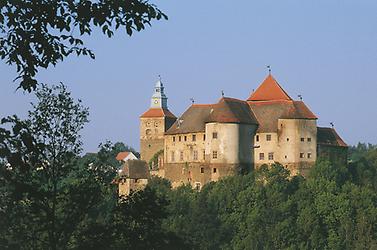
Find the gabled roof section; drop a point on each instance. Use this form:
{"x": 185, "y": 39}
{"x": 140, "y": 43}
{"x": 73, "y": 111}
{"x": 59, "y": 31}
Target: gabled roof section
{"x": 135, "y": 169}
{"x": 329, "y": 137}
{"x": 269, "y": 90}
{"x": 269, "y": 112}
{"x": 192, "y": 120}
{"x": 230, "y": 110}
{"x": 227, "y": 110}
{"x": 157, "y": 112}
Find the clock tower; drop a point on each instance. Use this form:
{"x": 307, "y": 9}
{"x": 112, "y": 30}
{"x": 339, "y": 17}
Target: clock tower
{"x": 154, "y": 123}
{"x": 159, "y": 99}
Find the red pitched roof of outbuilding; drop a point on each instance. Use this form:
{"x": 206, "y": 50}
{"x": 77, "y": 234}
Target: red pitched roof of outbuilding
{"x": 269, "y": 90}
{"x": 157, "y": 112}
{"x": 121, "y": 155}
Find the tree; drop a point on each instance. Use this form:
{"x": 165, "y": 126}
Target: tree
{"x": 41, "y": 33}
{"x": 46, "y": 193}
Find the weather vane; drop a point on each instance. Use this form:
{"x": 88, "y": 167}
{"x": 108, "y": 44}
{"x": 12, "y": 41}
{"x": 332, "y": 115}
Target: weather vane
{"x": 300, "y": 96}
{"x": 192, "y": 100}
{"x": 332, "y": 124}
{"x": 222, "y": 93}
{"x": 269, "y": 69}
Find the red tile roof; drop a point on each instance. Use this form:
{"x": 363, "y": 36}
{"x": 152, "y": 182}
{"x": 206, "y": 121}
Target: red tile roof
{"x": 269, "y": 112}
{"x": 269, "y": 90}
{"x": 157, "y": 112}
{"x": 329, "y": 137}
{"x": 230, "y": 110}
{"x": 227, "y": 110}
{"x": 121, "y": 155}
{"x": 192, "y": 120}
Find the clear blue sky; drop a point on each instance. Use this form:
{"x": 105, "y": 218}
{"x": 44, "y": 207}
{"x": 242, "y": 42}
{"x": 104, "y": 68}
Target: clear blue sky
{"x": 325, "y": 50}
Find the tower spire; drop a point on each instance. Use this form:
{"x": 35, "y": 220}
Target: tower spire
{"x": 159, "y": 99}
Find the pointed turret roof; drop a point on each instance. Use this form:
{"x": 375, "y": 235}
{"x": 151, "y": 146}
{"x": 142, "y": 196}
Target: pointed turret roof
{"x": 269, "y": 90}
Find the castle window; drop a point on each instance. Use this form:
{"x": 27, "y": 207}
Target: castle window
{"x": 202, "y": 170}
{"x": 172, "y": 156}
{"x": 268, "y": 137}
{"x": 173, "y": 138}
{"x": 302, "y": 139}
{"x": 185, "y": 138}
{"x": 301, "y": 155}
{"x": 285, "y": 157}
{"x": 309, "y": 139}
{"x": 204, "y": 154}
{"x": 204, "y": 137}
{"x": 287, "y": 139}
{"x": 197, "y": 186}
{"x": 257, "y": 137}
{"x": 179, "y": 138}
{"x": 214, "y": 154}
{"x": 214, "y": 135}
{"x": 261, "y": 156}
{"x": 149, "y": 146}
{"x": 195, "y": 155}
{"x": 148, "y": 132}
{"x": 271, "y": 156}
{"x": 214, "y": 170}
{"x": 181, "y": 155}
{"x": 309, "y": 155}
{"x": 193, "y": 137}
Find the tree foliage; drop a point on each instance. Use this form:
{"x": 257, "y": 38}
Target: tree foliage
{"x": 268, "y": 209}
{"x": 40, "y": 33}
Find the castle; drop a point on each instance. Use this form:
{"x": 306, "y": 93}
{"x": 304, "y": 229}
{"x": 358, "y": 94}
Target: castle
{"x": 211, "y": 141}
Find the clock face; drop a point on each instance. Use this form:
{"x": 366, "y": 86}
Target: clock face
{"x": 155, "y": 101}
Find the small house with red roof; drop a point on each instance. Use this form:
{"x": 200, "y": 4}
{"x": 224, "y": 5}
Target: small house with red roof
{"x": 125, "y": 156}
